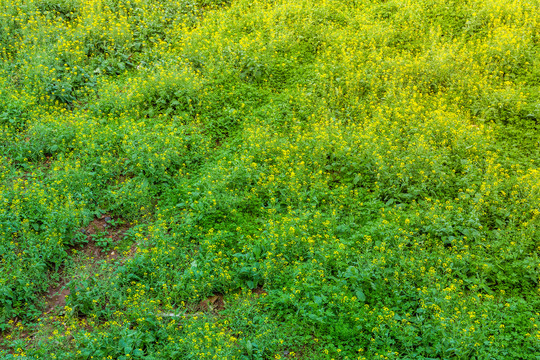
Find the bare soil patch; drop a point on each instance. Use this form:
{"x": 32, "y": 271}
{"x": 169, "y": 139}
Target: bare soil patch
{"x": 104, "y": 225}
{"x": 214, "y": 304}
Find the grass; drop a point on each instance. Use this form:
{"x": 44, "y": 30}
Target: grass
{"x": 203, "y": 179}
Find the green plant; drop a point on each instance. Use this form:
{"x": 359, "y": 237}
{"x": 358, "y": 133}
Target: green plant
{"x": 269, "y": 179}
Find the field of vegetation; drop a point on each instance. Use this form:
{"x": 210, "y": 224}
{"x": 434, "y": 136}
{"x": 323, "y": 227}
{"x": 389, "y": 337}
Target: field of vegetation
{"x": 249, "y": 179}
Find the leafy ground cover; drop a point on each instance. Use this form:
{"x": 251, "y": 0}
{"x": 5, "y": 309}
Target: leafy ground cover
{"x": 331, "y": 179}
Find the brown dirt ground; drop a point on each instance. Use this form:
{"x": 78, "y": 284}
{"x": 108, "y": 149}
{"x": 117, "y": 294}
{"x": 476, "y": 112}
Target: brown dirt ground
{"x": 214, "y": 304}
{"x": 56, "y": 295}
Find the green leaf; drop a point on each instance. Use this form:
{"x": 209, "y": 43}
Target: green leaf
{"x": 138, "y": 352}
{"x": 249, "y": 347}
{"x": 360, "y": 295}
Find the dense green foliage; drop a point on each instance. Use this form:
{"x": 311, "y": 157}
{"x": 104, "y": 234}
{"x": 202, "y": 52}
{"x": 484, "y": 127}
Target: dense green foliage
{"x": 332, "y": 179}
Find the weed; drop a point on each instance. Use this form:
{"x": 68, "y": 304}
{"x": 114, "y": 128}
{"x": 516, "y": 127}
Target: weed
{"x": 269, "y": 179}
